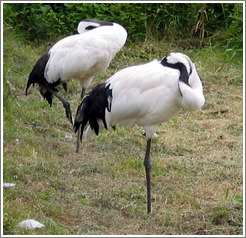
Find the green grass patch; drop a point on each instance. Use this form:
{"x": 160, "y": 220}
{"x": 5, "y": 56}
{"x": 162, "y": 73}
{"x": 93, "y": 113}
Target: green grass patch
{"x": 197, "y": 174}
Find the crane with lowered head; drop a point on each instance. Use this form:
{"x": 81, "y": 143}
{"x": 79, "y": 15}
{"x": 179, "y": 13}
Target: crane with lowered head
{"x": 144, "y": 95}
{"x": 79, "y": 57}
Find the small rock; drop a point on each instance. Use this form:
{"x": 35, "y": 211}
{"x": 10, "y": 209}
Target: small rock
{"x": 8, "y": 185}
{"x": 30, "y": 224}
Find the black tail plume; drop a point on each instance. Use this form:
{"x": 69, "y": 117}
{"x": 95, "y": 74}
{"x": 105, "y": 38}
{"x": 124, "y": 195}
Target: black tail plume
{"x": 92, "y": 109}
{"x": 37, "y": 74}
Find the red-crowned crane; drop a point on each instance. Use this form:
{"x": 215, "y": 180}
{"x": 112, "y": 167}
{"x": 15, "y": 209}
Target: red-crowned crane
{"x": 78, "y": 57}
{"x": 146, "y": 95}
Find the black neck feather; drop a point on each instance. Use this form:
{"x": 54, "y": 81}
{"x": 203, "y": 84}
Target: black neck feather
{"x": 184, "y": 75}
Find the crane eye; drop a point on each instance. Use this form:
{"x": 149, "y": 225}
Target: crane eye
{"x": 90, "y": 27}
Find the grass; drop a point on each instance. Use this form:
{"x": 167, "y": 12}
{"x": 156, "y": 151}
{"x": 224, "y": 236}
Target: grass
{"x": 197, "y": 174}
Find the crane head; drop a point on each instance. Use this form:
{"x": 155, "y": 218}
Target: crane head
{"x": 89, "y": 24}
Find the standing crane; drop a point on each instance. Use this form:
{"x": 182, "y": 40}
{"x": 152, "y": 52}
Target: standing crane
{"x": 78, "y": 57}
{"x": 146, "y": 95}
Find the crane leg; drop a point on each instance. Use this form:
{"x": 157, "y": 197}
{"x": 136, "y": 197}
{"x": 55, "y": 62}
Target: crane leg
{"x": 78, "y": 142}
{"x": 148, "y": 166}
{"x": 82, "y": 93}
{"x": 79, "y": 130}
{"x": 66, "y": 105}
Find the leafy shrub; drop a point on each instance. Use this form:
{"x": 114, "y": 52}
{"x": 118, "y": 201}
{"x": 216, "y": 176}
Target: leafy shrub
{"x": 48, "y": 21}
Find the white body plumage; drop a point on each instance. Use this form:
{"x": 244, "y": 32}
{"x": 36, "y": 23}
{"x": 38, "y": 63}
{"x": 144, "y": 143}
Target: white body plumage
{"x": 145, "y": 95}
{"x": 150, "y": 94}
{"x": 83, "y": 55}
